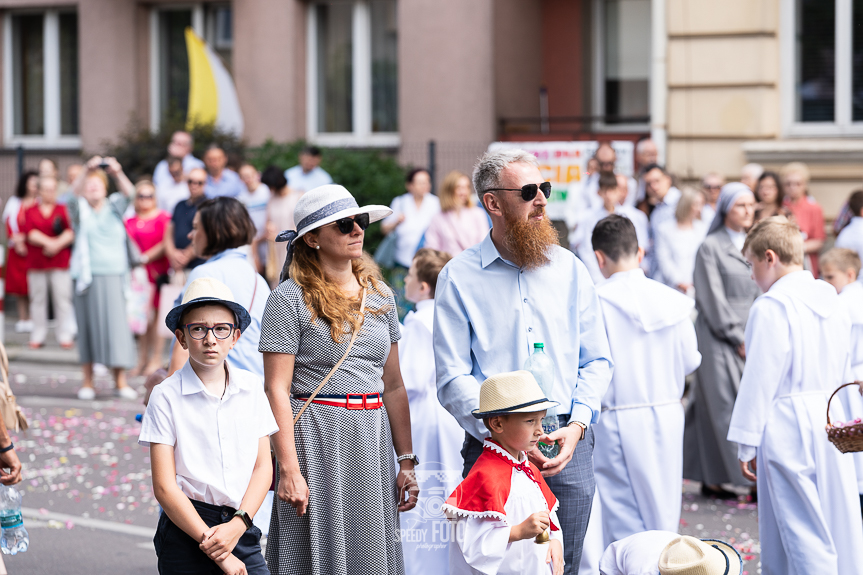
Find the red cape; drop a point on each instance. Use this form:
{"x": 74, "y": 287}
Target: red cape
{"x": 485, "y": 490}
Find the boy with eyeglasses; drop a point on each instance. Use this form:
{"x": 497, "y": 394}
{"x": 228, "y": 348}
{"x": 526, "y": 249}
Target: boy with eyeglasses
{"x": 208, "y": 428}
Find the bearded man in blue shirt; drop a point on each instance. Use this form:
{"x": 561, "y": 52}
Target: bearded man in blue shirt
{"x": 495, "y": 300}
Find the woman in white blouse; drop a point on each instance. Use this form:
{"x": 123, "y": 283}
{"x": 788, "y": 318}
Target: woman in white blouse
{"x": 412, "y": 214}
{"x": 677, "y": 241}
{"x": 460, "y": 224}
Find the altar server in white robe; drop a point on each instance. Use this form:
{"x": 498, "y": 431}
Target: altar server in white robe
{"x": 797, "y": 347}
{"x": 437, "y": 436}
{"x": 841, "y": 268}
{"x": 638, "y": 455}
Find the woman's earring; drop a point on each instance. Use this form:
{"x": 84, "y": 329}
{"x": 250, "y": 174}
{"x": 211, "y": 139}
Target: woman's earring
{"x": 317, "y": 247}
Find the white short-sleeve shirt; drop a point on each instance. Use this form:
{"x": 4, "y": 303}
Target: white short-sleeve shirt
{"x": 215, "y": 439}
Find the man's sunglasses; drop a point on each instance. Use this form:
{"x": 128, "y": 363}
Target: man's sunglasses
{"x": 528, "y": 191}
{"x": 346, "y": 225}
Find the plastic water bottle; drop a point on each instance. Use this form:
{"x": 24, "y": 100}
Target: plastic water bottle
{"x": 542, "y": 368}
{"x": 14, "y": 537}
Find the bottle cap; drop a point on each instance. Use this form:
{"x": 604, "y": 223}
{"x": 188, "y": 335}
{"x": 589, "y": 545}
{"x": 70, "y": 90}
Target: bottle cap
{"x": 538, "y": 346}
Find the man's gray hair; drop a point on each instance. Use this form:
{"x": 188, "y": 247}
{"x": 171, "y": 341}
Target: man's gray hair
{"x": 486, "y": 172}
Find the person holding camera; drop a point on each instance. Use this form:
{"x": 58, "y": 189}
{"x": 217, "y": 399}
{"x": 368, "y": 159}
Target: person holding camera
{"x": 100, "y": 261}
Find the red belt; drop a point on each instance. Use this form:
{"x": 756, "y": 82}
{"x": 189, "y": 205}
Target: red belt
{"x": 355, "y": 401}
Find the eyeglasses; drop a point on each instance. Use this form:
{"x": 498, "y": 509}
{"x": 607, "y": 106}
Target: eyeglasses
{"x": 528, "y": 191}
{"x": 144, "y": 197}
{"x": 197, "y": 182}
{"x": 199, "y": 331}
{"x": 346, "y": 225}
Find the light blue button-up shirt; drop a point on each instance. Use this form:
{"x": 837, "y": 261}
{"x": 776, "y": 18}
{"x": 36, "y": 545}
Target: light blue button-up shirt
{"x": 488, "y": 315}
{"x": 229, "y": 184}
{"x": 232, "y": 268}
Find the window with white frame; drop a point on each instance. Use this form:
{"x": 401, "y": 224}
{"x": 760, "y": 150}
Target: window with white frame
{"x": 169, "y": 71}
{"x": 352, "y": 72}
{"x": 823, "y": 67}
{"x": 41, "y": 103}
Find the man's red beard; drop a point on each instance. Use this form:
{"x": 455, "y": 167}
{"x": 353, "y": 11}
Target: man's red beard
{"x": 529, "y": 241}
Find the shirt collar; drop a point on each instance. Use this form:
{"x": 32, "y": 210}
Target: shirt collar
{"x": 230, "y": 253}
{"x": 497, "y": 448}
{"x": 424, "y": 304}
{"x": 488, "y": 253}
{"x": 191, "y": 384}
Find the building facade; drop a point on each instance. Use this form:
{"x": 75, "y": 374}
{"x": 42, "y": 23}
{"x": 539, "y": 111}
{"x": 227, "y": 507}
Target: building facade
{"x": 717, "y": 84}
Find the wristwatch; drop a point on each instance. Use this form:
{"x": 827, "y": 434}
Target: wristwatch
{"x": 410, "y": 456}
{"x": 581, "y": 425}
{"x": 245, "y": 517}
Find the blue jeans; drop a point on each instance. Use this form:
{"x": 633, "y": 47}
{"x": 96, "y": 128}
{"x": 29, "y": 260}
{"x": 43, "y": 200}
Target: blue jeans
{"x": 179, "y": 554}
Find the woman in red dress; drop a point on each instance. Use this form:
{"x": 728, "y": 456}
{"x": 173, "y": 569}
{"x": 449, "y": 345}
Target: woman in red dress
{"x": 16, "y": 256}
{"x": 147, "y": 229}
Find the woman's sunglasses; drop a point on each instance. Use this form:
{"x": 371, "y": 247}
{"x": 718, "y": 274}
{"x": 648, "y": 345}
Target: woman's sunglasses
{"x": 346, "y": 225}
{"x": 528, "y": 191}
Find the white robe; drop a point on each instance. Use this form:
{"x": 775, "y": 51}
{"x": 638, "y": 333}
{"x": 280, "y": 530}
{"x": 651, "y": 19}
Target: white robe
{"x": 852, "y": 297}
{"x": 437, "y": 441}
{"x": 638, "y": 456}
{"x": 480, "y": 545}
{"x": 797, "y": 348}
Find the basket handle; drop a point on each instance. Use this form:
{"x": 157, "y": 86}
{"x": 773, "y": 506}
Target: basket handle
{"x": 858, "y": 383}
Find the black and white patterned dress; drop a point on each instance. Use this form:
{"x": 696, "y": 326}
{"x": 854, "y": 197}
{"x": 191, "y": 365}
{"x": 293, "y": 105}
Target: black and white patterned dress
{"x": 346, "y": 456}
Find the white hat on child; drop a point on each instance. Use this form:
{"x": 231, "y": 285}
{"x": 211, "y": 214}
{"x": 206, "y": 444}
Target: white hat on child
{"x": 511, "y": 392}
{"x": 690, "y": 556}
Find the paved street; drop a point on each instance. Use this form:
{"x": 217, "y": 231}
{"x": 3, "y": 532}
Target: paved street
{"x": 88, "y": 500}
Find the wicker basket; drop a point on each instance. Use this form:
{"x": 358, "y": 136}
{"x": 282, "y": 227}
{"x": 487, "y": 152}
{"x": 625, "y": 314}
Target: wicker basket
{"x": 847, "y": 439}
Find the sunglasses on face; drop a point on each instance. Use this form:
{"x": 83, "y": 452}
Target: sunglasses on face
{"x": 145, "y": 197}
{"x": 197, "y": 182}
{"x": 346, "y": 225}
{"x": 528, "y": 191}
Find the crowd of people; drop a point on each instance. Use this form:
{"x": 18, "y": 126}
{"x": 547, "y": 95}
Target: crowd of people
{"x": 286, "y": 339}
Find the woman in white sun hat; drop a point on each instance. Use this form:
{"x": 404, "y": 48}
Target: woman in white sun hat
{"x": 332, "y": 375}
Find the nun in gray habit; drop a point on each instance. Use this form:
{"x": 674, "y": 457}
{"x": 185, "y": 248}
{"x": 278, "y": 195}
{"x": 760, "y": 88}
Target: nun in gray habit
{"x": 724, "y": 292}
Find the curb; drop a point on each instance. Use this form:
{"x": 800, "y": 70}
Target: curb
{"x": 51, "y": 356}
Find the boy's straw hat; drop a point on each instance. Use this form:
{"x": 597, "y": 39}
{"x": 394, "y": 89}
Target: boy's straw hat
{"x": 208, "y": 290}
{"x": 511, "y": 392}
{"x": 690, "y": 556}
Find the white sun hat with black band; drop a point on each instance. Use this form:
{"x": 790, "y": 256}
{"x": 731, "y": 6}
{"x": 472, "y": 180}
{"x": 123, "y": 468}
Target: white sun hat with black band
{"x": 511, "y": 392}
{"x": 321, "y": 206}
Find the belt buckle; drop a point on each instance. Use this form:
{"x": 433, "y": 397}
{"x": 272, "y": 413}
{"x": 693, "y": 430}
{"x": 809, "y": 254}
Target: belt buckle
{"x": 348, "y": 404}
{"x": 378, "y": 401}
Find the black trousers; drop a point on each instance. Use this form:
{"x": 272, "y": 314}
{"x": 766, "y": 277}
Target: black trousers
{"x": 573, "y": 486}
{"x": 179, "y": 554}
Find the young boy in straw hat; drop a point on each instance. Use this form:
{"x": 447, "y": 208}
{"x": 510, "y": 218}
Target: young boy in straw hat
{"x": 840, "y": 268}
{"x": 503, "y": 511}
{"x": 208, "y": 428}
{"x": 678, "y": 555}
{"x": 642, "y": 420}
{"x": 797, "y": 352}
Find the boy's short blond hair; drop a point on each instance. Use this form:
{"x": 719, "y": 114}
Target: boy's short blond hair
{"x": 428, "y": 264}
{"x": 777, "y": 234}
{"x": 842, "y": 259}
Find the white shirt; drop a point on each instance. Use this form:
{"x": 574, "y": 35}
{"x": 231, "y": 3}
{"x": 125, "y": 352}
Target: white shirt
{"x": 215, "y": 439}
{"x": 637, "y": 554}
{"x": 416, "y": 222}
{"x": 708, "y": 212}
{"x": 302, "y": 181}
{"x": 676, "y": 249}
{"x": 171, "y": 193}
{"x": 161, "y": 175}
{"x": 737, "y": 238}
{"x": 851, "y": 236}
{"x": 256, "y": 205}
